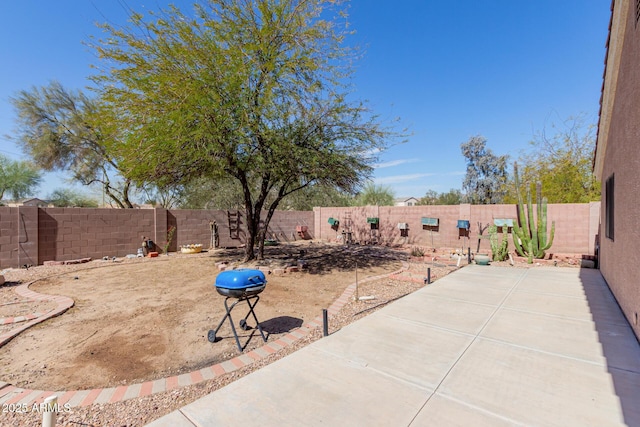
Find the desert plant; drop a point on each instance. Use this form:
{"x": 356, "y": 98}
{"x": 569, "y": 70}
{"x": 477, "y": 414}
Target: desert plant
{"x": 170, "y": 232}
{"x": 499, "y": 250}
{"x": 530, "y": 238}
{"x": 417, "y": 251}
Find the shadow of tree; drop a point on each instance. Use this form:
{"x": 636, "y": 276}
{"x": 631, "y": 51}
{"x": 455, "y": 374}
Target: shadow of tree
{"x": 323, "y": 258}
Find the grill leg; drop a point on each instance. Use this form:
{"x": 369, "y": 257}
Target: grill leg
{"x": 257, "y": 298}
{"x": 233, "y": 327}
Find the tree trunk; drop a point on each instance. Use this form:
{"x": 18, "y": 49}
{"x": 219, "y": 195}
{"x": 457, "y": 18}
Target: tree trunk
{"x": 253, "y": 221}
{"x": 125, "y": 194}
{"x": 249, "y": 254}
{"x": 107, "y": 191}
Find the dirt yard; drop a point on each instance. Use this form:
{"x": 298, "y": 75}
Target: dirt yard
{"x": 142, "y": 319}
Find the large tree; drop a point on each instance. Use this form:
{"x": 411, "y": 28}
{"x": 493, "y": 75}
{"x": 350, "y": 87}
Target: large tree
{"x": 484, "y": 182}
{"x": 66, "y": 130}
{"x": 561, "y": 160}
{"x": 18, "y": 178}
{"x": 255, "y": 90}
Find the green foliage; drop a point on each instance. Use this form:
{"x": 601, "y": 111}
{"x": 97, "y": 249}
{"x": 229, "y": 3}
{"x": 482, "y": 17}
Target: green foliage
{"x": 432, "y": 197}
{"x": 499, "y": 249}
{"x": 562, "y": 163}
{"x": 530, "y": 239}
{"x": 209, "y": 193}
{"x": 316, "y": 195}
{"x": 168, "y": 197}
{"x": 170, "y": 232}
{"x": 255, "y": 91}
{"x": 68, "y": 131}
{"x": 62, "y": 198}
{"x": 375, "y": 195}
{"x": 429, "y": 198}
{"x": 19, "y": 178}
{"x": 451, "y": 197}
{"x": 484, "y": 182}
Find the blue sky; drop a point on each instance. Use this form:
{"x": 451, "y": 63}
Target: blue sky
{"x": 448, "y": 69}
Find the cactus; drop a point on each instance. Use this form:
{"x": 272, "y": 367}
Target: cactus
{"x": 530, "y": 239}
{"x": 500, "y": 251}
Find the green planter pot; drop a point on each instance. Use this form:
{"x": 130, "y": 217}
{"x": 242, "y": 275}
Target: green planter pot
{"x": 482, "y": 259}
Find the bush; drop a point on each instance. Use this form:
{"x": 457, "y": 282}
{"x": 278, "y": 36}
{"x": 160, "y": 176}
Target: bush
{"x": 417, "y": 251}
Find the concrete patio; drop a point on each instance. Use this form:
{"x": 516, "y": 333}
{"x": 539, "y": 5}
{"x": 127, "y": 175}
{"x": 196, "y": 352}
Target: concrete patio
{"x": 484, "y": 346}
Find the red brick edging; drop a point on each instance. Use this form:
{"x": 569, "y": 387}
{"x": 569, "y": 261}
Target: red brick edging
{"x": 63, "y": 304}
{"x": 18, "y": 319}
{"x": 15, "y": 395}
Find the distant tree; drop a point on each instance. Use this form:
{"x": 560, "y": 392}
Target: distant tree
{"x": 255, "y": 90}
{"x": 64, "y": 197}
{"x": 375, "y": 195}
{"x": 64, "y": 130}
{"x": 451, "y": 197}
{"x": 209, "y": 193}
{"x": 562, "y": 163}
{"x": 486, "y": 176}
{"x": 430, "y": 198}
{"x": 18, "y": 178}
{"x": 317, "y": 195}
{"x": 168, "y": 197}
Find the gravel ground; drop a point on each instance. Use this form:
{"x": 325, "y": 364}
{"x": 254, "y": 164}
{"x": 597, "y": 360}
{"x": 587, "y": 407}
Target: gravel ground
{"x": 138, "y": 412}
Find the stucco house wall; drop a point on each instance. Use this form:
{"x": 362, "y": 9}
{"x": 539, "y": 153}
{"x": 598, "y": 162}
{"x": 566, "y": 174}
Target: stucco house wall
{"x": 617, "y": 160}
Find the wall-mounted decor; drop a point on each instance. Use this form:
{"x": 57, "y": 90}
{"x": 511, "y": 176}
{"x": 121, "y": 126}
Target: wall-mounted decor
{"x": 464, "y": 224}
{"x": 500, "y": 222}
{"x": 431, "y": 222}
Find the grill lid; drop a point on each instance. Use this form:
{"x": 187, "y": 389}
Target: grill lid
{"x": 240, "y": 279}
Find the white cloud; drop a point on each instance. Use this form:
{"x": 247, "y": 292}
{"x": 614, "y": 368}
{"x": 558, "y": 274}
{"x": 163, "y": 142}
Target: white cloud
{"x": 371, "y": 152}
{"x": 394, "y": 179}
{"x": 394, "y": 163}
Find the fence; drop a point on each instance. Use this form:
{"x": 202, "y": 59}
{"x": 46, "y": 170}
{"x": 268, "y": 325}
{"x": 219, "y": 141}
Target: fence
{"x": 576, "y": 227}
{"x": 31, "y": 235}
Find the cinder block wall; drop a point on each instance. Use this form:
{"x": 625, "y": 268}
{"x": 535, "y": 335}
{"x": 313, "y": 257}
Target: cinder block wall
{"x": 72, "y": 233}
{"x": 9, "y": 237}
{"x": 575, "y": 225}
{"x": 31, "y": 235}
